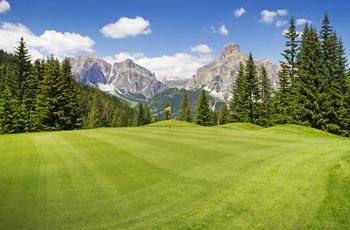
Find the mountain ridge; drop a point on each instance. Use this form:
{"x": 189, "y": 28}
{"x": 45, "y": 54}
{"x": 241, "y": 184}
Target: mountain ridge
{"x": 134, "y": 82}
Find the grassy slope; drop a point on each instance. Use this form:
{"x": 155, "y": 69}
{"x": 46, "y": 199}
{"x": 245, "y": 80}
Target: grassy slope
{"x": 190, "y": 178}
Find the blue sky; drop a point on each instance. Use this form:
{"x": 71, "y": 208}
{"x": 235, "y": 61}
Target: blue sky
{"x": 169, "y": 37}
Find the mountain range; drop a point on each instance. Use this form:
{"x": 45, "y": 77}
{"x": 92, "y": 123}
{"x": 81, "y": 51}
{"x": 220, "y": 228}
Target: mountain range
{"x": 134, "y": 83}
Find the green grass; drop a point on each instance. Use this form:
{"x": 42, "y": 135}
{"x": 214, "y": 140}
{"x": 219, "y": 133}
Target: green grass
{"x": 190, "y": 178}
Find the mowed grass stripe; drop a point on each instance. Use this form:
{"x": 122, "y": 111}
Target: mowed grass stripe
{"x": 150, "y": 178}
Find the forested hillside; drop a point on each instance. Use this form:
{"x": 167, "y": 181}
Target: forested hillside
{"x": 44, "y": 96}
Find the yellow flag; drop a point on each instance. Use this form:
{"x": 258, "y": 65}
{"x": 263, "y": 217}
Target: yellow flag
{"x": 167, "y": 109}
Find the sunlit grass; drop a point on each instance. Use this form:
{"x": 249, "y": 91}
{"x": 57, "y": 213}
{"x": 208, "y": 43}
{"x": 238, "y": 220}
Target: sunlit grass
{"x": 190, "y": 178}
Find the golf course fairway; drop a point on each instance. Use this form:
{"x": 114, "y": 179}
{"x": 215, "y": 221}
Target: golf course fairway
{"x": 192, "y": 177}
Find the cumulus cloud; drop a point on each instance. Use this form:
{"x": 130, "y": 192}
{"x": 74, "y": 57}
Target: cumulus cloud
{"x": 280, "y": 23}
{"x": 201, "y": 48}
{"x": 50, "y": 42}
{"x": 239, "y": 12}
{"x": 4, "y": 6}
{"x": 223, "y": 30}
{"x": 302, "y": 21}
{"x": 269, "y": 17}
{"x": 125, "y": 27}
{"x": 182, "y": 65}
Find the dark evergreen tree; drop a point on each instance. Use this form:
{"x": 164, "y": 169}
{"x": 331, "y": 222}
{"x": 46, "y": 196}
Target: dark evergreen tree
{"x": 95, "y": 112}
{"x": 185, "y": 114}
{"x": 70, "y": 118}
{"x": 147, "y": 115}
{"x": 291, "y": 52}
{"x": 310, "y": 91}
{"x": 336, "y": 84}
{"x": 254, "y": 96}
{"x": 203, "y": 111}
{"x": 224, "y": 115}
{"x": 264, "y": 104}
{"x": 240, "y": 95}
{"x": 141, "y": 116}
{"x": 21, "y": 70}
{"x": 283, "y": 104}
{"x": 50, "y": 99}
{"x": 10, "y": 113}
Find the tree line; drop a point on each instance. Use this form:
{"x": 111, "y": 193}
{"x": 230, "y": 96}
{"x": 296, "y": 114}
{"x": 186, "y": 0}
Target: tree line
{"x": 44, "y": 96}
{"x": 313, "y": 86}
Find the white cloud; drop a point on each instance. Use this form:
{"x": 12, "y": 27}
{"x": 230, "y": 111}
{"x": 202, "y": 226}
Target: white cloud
{"x": 282, "y": 12}
{"x": 125, "y": 27}
{"x": 239, "y": 12}
{"x": 302, "y": 21}
{"x": 4, "y": 6}
{"x": 269, "y": 17}
{"x": 280, "y": 23}
{"x": 220, "y": 29}
{"x": 182, "y": 65}
{"x": 223, "y": 30}
{"x": 201, "y": 48}
{"x": 50, "y": 42}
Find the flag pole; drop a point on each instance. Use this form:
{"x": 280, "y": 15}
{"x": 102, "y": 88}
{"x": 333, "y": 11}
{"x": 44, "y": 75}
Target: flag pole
{"x": 168, "y": 109}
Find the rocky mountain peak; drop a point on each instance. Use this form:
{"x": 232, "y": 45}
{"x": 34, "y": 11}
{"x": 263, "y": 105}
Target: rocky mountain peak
{"x": 218, "y": 76}
{"x": 229, "y": 49}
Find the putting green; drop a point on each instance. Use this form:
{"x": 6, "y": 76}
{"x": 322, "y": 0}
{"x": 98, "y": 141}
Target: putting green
{"x": 190, "y": 178}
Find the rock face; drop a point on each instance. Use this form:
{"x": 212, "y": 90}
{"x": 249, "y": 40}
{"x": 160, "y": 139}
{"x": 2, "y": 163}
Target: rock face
{"x": 218, "y": 76}
{"x": 120, "y": 78}
{"x": 130, "y": 80}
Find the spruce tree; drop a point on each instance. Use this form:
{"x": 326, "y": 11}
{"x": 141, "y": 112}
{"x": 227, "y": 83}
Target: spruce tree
{"x": 71, "y": 116}
{"x": 141, "y": 116}
{"x": 185, "y": 114}
{"x": 264, "y": 104}
{"x": 240, "y": 95}
{"x": 147, "y": 115}
{"x": 224, "y": 115}
{"x": 10, "y": 113}
{"x": 203, "y": 112}
{"x": 50, "y": 98}
{"x": 291, "y": 52}
{"x": 253, "y": 89}
{"x": 284, "y": 100}
{"x": 310, "y": 92}
{"x": 22, "y": 69}
{"x": 336, "y": 84}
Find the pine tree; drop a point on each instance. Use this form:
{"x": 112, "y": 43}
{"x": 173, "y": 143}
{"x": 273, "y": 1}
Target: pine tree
{"x": 240, "y": 95}
{"x": 141, "y": 116}
{"x": 147, "y": 115}
{"x": 71, "y": 116}
{"x": 203, "y": 112}
{"x": 22, "y": 69}
{"x": 336, "y": 84}
{"x": 253, "y": 89}
{"x": 264, "y": 104}
{"x": 10, "y": 112}
{"x": 185, "y": 114}
{"x": 50, "y": 99}
{"x": 224, "y": 115}
{"x": 291, "y": 52}
{"x": 284, "y": 100}
{"x": 310, "y": 85}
